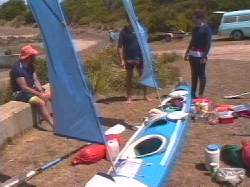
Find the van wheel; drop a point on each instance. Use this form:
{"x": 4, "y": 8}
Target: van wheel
{"x": 237, "y": 35}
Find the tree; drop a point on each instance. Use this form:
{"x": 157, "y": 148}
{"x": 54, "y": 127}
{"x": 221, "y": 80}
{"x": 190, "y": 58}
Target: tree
{"x": 11, "y": 9}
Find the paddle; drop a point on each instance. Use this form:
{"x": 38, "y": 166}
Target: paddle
{"x": 17, "y": 180}
{"x": 236, "y": 96}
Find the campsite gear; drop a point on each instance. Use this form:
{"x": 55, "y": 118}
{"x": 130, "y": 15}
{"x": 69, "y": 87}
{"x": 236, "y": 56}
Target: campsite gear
{"x": 246, "y": 154}
{"x": 245, "y": 114}
{"x": 213, "y": 168}
{"x": 112, "y": 149}
{"x": 178, "y": 94}
{"x": 202, "y": 108}
{"x": 95, "y": 152}
{"x": 224, "y": 108}
{"x": 90, "y": 154}
{"x": 212, "y": 155}
{"x": 226, "y": 117}
{"x": 154, "y": 148}
{"x": 176, "y": 102}
{"x": 232, "y": 154}
{"x": 212, "y": 119}
{"x": 117, "y": 129}
{"x": 177, "y": 115}
{"x": 232, "y": 176}
{"x": 203, "y": 104}
{"x": 18, "y": 180}
{"x": 165, "y": 101}
{"x": 171, "y": 109}
{"x": 242, "y": 110}
{"x": 236, "y": 96}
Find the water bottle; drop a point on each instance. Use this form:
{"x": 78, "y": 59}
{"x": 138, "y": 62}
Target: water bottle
{"x": 212, "y": 155}
{"x": 112, "y": 150}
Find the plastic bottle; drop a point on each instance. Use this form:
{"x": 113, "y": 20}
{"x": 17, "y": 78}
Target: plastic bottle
{"x": 212, "y": 155}
{"x": 112, "y": 150}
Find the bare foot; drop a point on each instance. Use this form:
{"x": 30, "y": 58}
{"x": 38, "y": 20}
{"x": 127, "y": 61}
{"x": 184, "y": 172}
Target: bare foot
{"x": 129, "y": 100}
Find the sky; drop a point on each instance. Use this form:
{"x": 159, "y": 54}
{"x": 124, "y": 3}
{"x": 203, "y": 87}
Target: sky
{"x": 2, "y": 1}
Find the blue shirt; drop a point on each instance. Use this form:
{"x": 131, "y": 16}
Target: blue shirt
{"x": 22, "y": 70}
{"x": 201, "y": 38}
{"x": 128, "y": 40}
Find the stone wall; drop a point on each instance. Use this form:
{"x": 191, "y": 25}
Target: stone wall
{"x": 16, "y": 117}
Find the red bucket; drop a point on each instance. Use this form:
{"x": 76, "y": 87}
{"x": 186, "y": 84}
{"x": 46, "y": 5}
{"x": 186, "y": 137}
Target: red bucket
{"x": 226, "y": 117}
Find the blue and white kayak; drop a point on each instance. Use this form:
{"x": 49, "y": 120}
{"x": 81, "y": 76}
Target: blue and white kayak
{"x": 149, "y": 157}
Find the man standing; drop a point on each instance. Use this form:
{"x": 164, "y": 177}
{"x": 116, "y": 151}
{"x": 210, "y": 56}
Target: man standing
{"x": 25, "y": 83}
{"x": 131, "y": 57}
{"x": 197, "y": 52}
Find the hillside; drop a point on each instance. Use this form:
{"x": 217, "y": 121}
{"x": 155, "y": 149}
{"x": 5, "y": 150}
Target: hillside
{"x": 158, "y": 15}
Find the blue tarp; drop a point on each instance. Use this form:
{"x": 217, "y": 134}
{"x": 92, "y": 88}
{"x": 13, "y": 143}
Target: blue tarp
{"x": 150, "y": 75}
{"x": 74, "y": 113}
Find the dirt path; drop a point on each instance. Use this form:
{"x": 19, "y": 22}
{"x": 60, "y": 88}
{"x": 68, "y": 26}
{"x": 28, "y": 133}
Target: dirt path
{"x": 226, "y": 75}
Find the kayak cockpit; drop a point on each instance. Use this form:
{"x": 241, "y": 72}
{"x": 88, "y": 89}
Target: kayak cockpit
{"x": 147, "y": 146}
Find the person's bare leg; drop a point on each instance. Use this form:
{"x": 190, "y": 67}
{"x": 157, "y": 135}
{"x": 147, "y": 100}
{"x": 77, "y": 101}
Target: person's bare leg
{"x": 129, "y": 85}
{"x": 145, "y": 97}
{"x": 44, "y": 112}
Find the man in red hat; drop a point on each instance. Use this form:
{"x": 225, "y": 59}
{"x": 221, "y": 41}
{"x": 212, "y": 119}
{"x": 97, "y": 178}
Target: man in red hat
{"x": 25, "y": 83}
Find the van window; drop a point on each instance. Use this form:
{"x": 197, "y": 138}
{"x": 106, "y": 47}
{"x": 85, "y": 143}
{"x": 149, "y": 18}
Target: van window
{"x": 229, "y": 19}
{"x": 244, "y": 18}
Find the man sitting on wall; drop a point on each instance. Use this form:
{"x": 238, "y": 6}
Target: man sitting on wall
{"x": 25, "y": 83}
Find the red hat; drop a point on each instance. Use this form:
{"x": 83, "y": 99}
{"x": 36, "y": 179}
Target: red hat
{"x": 27, "y": 51}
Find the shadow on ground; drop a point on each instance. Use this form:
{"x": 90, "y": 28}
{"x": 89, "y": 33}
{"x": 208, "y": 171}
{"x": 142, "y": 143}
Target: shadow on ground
{"x": 112, "y": 99}
{"x": 110, "y": 122}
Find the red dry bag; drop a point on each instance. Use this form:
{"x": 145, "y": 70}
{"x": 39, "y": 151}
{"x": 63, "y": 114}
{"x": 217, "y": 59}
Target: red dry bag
{"x": 90, "y": 154}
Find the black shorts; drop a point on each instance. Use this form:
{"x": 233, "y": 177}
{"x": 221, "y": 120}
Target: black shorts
{"x": 23, "y": 96}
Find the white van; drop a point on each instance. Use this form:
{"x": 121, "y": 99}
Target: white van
{"x": 235, "y": 24}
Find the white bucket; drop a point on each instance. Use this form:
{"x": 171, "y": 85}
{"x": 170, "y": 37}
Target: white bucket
{"x": 112, "y": 150}
{"x": 212, "y": 155}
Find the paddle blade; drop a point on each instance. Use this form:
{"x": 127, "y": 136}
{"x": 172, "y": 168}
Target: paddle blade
{"x": 15, "y": 181}
{"x": 236, "y": 96}
{"x": 232, "y": 97}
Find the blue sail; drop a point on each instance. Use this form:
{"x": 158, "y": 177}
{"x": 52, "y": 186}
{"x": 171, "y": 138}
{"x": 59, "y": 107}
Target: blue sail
{"x": 150, "y": 75}
{"x": 73, "y": 103}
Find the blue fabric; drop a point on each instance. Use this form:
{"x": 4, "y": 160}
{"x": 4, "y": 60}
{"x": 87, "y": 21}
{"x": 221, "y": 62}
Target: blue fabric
{"x": 73, "y": 103}
{"x": 150, "y": 76}
{"x": 128, "y": 40}
{"x": 22, "y": 70}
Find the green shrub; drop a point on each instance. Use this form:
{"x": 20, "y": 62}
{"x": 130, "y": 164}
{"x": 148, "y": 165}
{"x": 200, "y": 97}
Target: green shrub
{"x": 168, "y": 58}
{"x": 168, "y": 74}
{"x": 108, "y": 77}
{"x": 42, "y": 70}
{"x": 5, "y": 95}
{"x": 105, "y": 73}
{"x": 11, "y": 9}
